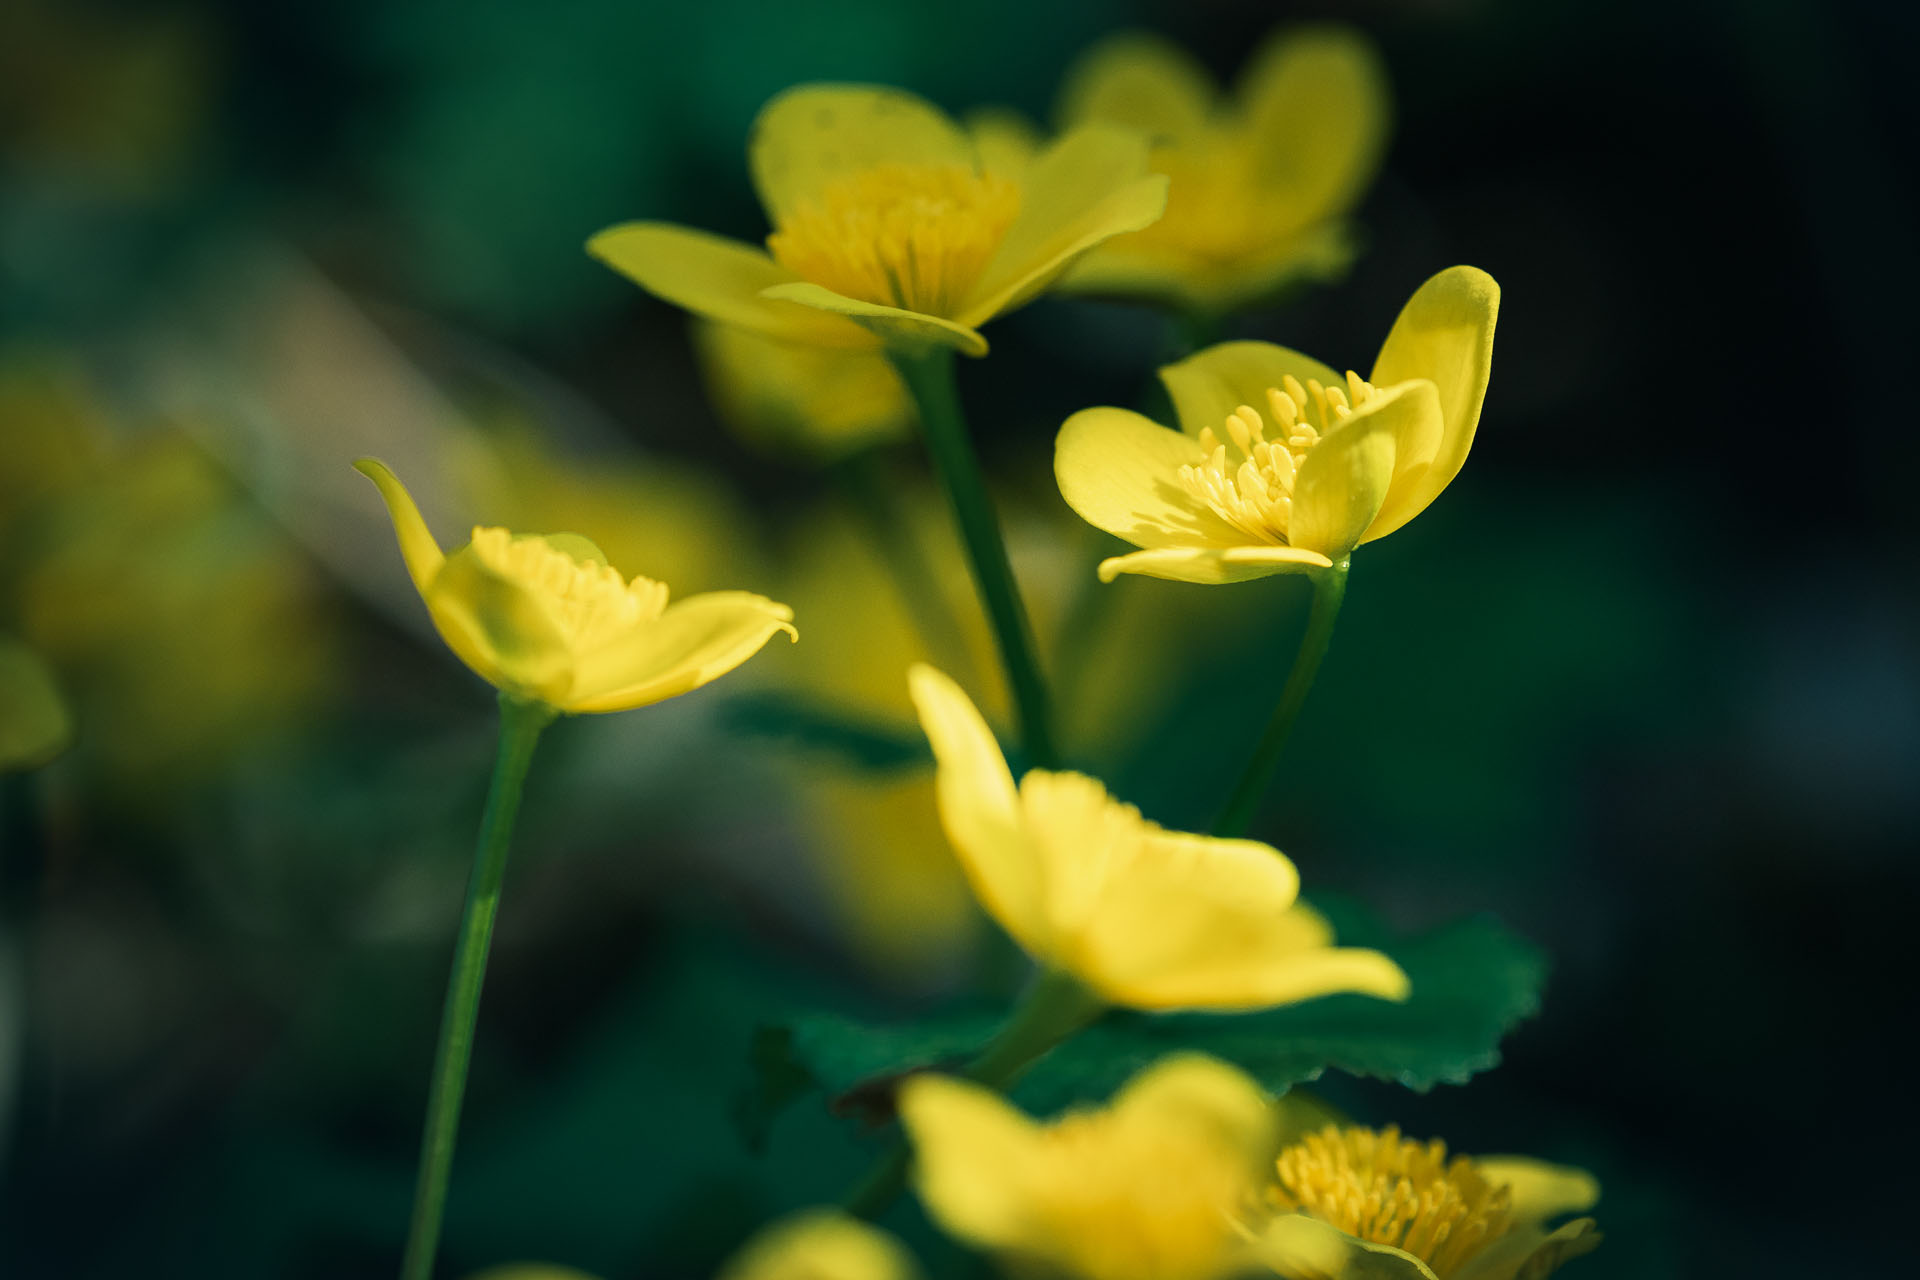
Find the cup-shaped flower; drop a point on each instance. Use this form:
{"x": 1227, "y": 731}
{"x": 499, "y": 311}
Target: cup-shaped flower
{"x": 545, "y": 619}
{"x": 1140, "y": 916}
{"x": 821, "y": 1244}
{"x": 1361, "y": 1204}
{"x": 1146, "y": 1188}
{"x": 817, "y": 402}
{"x": 887, "y": 227}
{"x": 1263, "y": 180}
{"x": 1281, "y": 465}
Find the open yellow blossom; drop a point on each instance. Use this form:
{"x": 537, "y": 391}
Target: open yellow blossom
{"x": 814, "y": 401}
{"x": 1140, "y": 916}
{"x": 1263, "y": 181}
{"x": 888, "y": 229}
{"x": 545, "y": 619}
{"x": 1361, "y": 1204}
{"x": 35, "y": 725}
{"x": 821, "y": 1244}
{"x": 1281, "y": 465}
{"x": 1149, "y": 1187}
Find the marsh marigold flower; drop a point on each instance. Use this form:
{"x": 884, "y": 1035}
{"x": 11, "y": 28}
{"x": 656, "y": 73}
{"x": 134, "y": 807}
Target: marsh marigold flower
{"x": 1364, "y": 1204}
{"x": 1262, "y": 181}
{"x": 544, "y": 618}
{"x": 1150, "y": 1187}
{"x": 888, "y": 230}
{"x": 1281, "y": 465}
{"x": 1140, "y": 916}
{"x": 821, "y": 1244}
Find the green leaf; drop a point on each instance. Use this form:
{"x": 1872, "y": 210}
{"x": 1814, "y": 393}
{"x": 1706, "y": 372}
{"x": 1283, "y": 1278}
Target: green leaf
{"x": 1472, "y": 982}
{"x": 810, "y": 726}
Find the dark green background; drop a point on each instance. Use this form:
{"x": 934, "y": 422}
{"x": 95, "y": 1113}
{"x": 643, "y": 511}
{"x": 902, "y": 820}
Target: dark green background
{"x": 1646, "y": 683}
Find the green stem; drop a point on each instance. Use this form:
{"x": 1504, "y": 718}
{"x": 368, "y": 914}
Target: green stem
{"x": 1054, "y": 1008}
{"x": 520, "y": 726}
{"x": 929, "y": 376}
{"x": 1329, "y": 589}
{"x": 873, "y": 499}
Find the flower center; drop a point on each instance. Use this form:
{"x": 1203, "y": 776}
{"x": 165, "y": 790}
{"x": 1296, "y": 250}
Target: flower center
{"x": 1386, "y": 1189}
{"x": 588, "y": 598}
{"x": 1248, "y": 479}
{"x": 911, "y": 236}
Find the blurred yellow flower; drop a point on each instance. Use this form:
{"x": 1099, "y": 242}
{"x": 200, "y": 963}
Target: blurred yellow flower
{"x": 887, "y": 229}
{"x": 1322, "y": 465}
{"x": 821, "y": 1244}
{"x": 544, "y": 618}
{"x": 185, "y": 627}
{"x": 1147, "y": 1188}
{"x": 816, "y": 402}
{"x": 34, "y": 723}
{"x": 1140, "y": 916}
{"x": 1360, "y": 1204}
{"x": 1262, "y": 183}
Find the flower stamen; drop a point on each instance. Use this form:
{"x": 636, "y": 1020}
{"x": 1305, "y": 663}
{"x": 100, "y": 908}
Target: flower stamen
{"x": 588, "y": 598}
{"x": 1247, "y": 479}
{"x": 911, "y": 236}
{"x": 1380, "y": 1187}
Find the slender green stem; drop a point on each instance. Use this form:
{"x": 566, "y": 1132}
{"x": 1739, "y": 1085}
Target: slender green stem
{"x": 520, "y": 726}
{"x": 1329, "y": 589}
{"x": 930, "y": 377}
{"x": 898, "y": 545}
{"x": 1053, "y": 1008}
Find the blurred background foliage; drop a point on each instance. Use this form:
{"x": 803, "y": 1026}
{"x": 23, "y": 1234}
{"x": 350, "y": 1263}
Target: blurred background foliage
{"x": 1645, "y": 684}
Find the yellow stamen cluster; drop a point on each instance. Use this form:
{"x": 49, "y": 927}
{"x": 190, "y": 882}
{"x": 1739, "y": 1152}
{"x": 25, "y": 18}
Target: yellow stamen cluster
{"x": 588, "y": 599}
{"x": 913, "y": 236}
{"x": 1386, "y": 1189}
{"x": 1248, "y": 479}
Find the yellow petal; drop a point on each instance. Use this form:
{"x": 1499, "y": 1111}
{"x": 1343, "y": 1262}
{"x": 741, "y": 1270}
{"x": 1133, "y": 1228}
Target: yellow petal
{"x": 417, "y": 547}
{"x": 910, "y": 331}
{"x": 1213, "y": 564}
{"x": 980, "y": 807}
{"x": 1086, "y": 188}
{"x": 1120, "y": 472}
{"x": 1201, "y": 923}
{"x": 1541, "y": 1190}
{"x": 1346, "y": 477}
{"x": 1210, "y": 384}
{"x": 720, "y": 279}
{"x": 504, "y": 632}
{"x": 816, "y": 400}
{"x": 34, "y": 723}
{"x": 1139, "y": 81}
{"x": 1190, "y": 1097}
{"x": 1531, "y": 1252}
{"x": 1317, "y": 104}
{"x": 1298, "y": 1247}
{"x": 1445, "y": 335}
{"x": 813, "y": 134}
{"x": 974, "y": 1158}
{"x": 821, "y": 1244}
{"x": 697, "y": 640}
{"x": 1005, "y": 141}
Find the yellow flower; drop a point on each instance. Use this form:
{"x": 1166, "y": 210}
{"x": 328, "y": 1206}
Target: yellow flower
{"x": 821, "y": 1244}
{"x": 814, "y": 401}
{"x": 1282, "y": 465}
{"x": 1140, "y": 916}
{"x": 1146, "y": 1188}
{"x": 546, "y": 619}
{"x": 1356, "y": 1204}
{"x": 887, "y": 229}
{"x": 1262, "y": 182}
{"x": 34, "y": 723}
